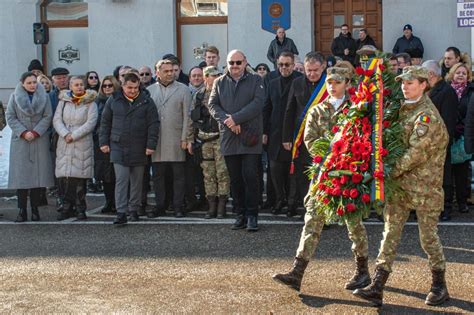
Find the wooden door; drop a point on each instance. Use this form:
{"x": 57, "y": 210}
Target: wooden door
{"x": 358, "y": 14}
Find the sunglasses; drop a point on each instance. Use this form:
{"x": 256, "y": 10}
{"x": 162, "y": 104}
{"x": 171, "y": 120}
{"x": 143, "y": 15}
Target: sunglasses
{"x": 107, "y": 86}
{"x": 145, "y": 74}
{"x": 237, "y": 62}
{"x": 281, "y": 64}
{"x": 93, "y": 77}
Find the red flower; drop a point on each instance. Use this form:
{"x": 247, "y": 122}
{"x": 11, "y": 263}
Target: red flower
{"x": 326, "y": 201}
{"x": 364, "y": 167}
{"x": 365, "y": 121}
{"x": 336, "y": 192}
{"x": 367, "y": 147}
{"x": 346, "y": 193}
{"x": 352, "y": 90}
{"x": 365, "y": 198}
{"x": 325, "y": 175}
{"x": 387, "y": 92}
{"x": 322, "y": 186}
{"x": 350, "y": 207}
{"x": 379, "y": 175}
{"x": 340, "y": 211}
{"x": 384, "y": 152}
{"x": 369, "y": 98}
{"x": 345, "y": 110}
{"x": 381, "y": 67}
{"x": 344, "y": 179}
{"x": 369, "y": 73}
{"x": 335, "y": 182}
{"x": 360, "y": 71}
{"x": 357, "y": 178}
{"x": 386, "y": 123}
{"x": 317, "y": 159}
{"x": 353, "y": 193}
{"x": 366, "y": 129}
{"x": 339, "y": 147}
{"x": 335, "y": 129}
{"x": 357, "y": 156}
{"x": 357, "y": 148}
{"x": 353, "y": 168}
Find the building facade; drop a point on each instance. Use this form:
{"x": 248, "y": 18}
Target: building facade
{"x": 101, "y": 34}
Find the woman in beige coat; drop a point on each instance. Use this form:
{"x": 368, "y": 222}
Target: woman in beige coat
{"x": 74, "y": 120}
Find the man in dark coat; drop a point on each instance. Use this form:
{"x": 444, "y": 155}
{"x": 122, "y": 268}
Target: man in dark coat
{"x": 446, "y": 101}
{"x": 279, "y": 44}
{"x": 273, "y": 115}
{"x": 129, "y": 131}
{"x": 344, "y": 46}
{"x": 298, "y": 96}
{"x": 236, "y": 102}
{"x": 452, "y": 56}
{"x": 408, "y": 40}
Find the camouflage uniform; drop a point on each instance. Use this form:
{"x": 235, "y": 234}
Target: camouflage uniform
{"x": 318, "y": 124}
{"x": 420, "y": 174}
{"x": 216, "y": 177}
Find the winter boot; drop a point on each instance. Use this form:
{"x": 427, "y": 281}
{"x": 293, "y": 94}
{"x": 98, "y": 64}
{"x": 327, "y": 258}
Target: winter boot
{"x": 22, "y": 216}
{"x": 438, "y": 292}
{"x": 221, "y": 207}
{"x": 211, "y": 213}
{"x": 361, "y": 277}
{"x": 35, "y": 214}
{"x": 295, "y": 276}
{"x": 374, "y": 292}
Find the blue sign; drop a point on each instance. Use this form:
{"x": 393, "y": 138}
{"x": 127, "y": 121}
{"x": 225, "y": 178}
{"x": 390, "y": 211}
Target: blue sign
{"x": 276, "y": 14}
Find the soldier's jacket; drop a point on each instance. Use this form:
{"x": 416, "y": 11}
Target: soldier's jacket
{"x": 320, "y": 121}
{"x": 420, "y": 170}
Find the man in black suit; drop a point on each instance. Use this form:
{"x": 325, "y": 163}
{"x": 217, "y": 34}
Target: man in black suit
{"x": 274, "y": 112}
{"x": 298, "y": 96}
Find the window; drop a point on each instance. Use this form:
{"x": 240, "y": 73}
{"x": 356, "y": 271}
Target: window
{"x": 196, "y": 8}
{"x": 66, "y": 10}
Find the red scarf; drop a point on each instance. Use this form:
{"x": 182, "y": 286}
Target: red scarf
{"x": 130, "y": 98}
{"x": 459, "y": 88}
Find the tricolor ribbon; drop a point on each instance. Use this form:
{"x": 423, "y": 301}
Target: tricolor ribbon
{"x": 320, "y": 93}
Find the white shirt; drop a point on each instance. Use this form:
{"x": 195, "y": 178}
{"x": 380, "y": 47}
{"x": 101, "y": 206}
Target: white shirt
{"x": 336, "y": 102}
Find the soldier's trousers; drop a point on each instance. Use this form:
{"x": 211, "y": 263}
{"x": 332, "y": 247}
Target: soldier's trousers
{"x": 313, "y": 225}
{"x": 395, "y": 217}
{"x": 216, "y": 177}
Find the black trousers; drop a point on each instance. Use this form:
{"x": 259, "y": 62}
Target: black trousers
{"x": 194, "y": 180}
{"x": 301, "y": 180}
{"x": 73, "y": 192}
{"x": 460, "y": 174}
{"x": 159, "y": 180}
{"x": 146, "y": 183}
{"x": 244, "y": 182}
{"x": 280, "y": 179}
{"x": 35, "y": 197}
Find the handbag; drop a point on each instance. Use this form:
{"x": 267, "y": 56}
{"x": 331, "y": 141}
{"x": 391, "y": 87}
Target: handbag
{"x": 458, "y": 153}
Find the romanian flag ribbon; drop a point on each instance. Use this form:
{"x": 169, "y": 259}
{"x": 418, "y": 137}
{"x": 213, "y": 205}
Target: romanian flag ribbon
{"x": 320, "y": 93}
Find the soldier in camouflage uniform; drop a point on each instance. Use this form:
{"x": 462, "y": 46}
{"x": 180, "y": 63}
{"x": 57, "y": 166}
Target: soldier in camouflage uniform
{"x": 319, "y": 123}
{"x": 419, "y": 172}
{"x": 205, "y": 130}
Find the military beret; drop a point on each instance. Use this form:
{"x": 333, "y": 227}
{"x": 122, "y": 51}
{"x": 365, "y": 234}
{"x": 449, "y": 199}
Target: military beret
{"x": 59, "y": 71}
{"x": 338, "y": 74}
{"x": 412, "y": 73}
{"x": 211, "y": 70}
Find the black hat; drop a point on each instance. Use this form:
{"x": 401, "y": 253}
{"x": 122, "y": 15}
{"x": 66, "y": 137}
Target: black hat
{"x": 414, "y": 52}
{"x": 407, "y": 27}
{"x": 59, "y": 71}
{"x": 330, "y": 61}
{"x": 35, "y": 64}
{"x": 171, "y": 57}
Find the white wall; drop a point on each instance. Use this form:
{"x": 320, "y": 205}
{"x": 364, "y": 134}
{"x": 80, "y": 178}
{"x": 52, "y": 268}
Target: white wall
{"x": 245, "y": 29}
{"x": 433, "y": 21}
{"x": 131, "y": 33}
{"x": 16, "y": 42}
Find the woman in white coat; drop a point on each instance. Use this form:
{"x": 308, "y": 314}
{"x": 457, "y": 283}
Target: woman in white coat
{"x": 74, "y": 120}
{"x": 29, "y": 115}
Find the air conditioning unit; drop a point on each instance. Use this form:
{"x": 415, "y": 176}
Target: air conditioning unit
{"x": 207, "y": 8}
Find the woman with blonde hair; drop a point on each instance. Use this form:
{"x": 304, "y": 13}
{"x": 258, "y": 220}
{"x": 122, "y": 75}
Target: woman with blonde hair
{"x": 46, "y": 82}
{"x": 74, "y": 120}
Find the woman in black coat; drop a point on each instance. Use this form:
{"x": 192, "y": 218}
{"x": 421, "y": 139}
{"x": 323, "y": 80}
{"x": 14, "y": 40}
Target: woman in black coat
{"x": 103, "y": 169}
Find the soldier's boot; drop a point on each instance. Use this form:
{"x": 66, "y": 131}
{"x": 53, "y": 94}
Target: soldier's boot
{"x": 221, "y": 207}
{"x": 35, "y": 214}
{"x": 374, "y": 292}
{"x": 439, "y": 291}
{"x": 361, "y": 277}
{"x": 22, "y": 216}
{"x": 294, "y": 277}
{"x": 212, "y": 211}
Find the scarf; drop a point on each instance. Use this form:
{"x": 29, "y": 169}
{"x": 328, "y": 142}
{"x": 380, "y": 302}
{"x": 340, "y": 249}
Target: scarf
{"x": 76, "y": 99}
{"x": 130, "y": 98}
{"x": 459, "y": 88}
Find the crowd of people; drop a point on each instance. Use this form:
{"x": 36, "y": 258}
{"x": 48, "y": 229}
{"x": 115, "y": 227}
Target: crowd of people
{"x": 202, "y": 137}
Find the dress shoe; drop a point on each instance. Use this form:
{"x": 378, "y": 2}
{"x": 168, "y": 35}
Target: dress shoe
{"x": 134, "y": 216}
{"x": 291, "y": 211}
{"x": 22, "y": 216}
{"x": 278, "y": 208}
{"x": 120, "y": 219}
{"x": 252, "y": 225}
{"x": 179, "y": 213}
{"x": 240, "y": 223}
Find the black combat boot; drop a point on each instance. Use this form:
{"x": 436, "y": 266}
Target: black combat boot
{"x": 22, "y": 216}
{"x": 212, "y": 212}
{"x": 221, "y": 207}
{"x": 438, "y": 292}
{"x": 35, "y": 214}
{"x": 295, "y": 276}
{"x": 374, "y": 292}
{"x": 361, "y": 277}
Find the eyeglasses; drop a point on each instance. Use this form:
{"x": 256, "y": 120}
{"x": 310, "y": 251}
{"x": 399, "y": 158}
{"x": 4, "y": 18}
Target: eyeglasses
{"x": 237, "y": 62}
{"x": 145, "y": 74}
{"x": 107, "y": 86}
{"x": 262, "y": 68}
{"x": 93, "y": 77}
{"x": 286, "y": 64}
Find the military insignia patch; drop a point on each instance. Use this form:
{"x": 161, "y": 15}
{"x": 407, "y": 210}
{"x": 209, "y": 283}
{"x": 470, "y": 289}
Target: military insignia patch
{"x": 421, "y": 129}
{"x": 424, "y": 118}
